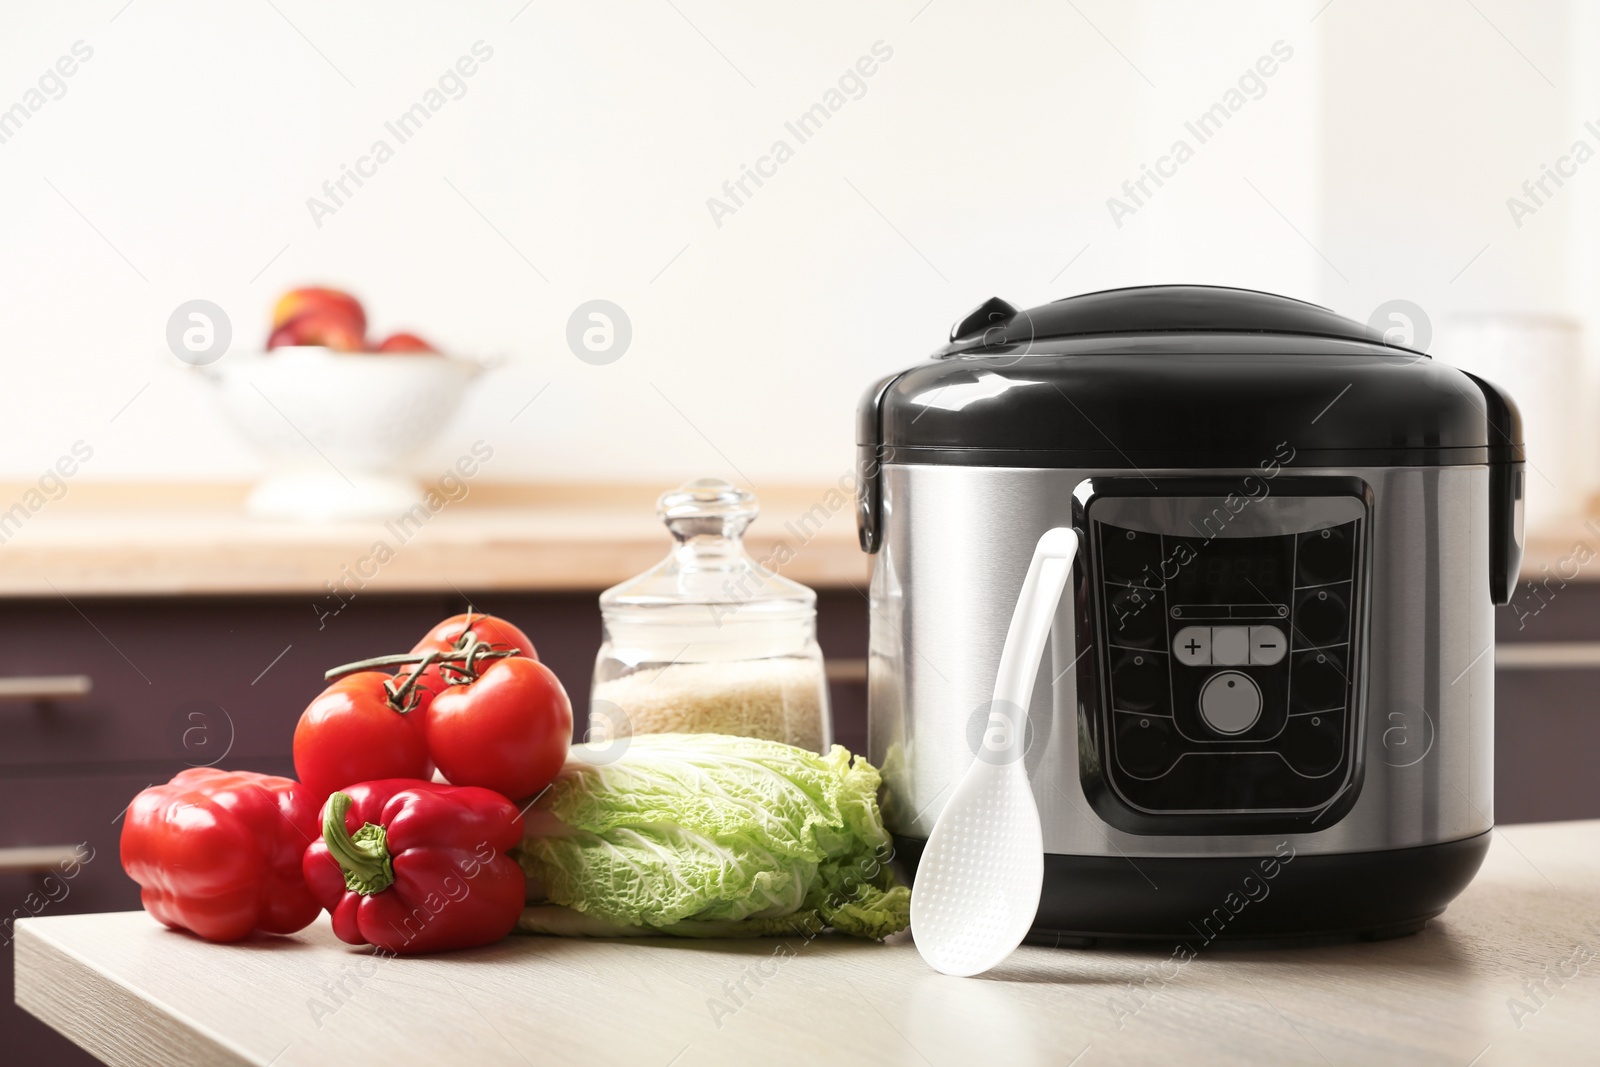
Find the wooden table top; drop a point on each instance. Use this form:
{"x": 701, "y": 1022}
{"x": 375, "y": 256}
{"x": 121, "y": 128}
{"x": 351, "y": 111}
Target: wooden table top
{"x": 1467, "y": 991}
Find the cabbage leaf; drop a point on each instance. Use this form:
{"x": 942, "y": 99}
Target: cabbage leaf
{"x": 706, "y": 835}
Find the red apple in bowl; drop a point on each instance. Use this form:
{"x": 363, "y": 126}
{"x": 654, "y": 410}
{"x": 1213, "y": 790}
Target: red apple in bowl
{"x": 331, "y": 302}
{"x": 320, "y": 328}
{"x": 405, "y": 342}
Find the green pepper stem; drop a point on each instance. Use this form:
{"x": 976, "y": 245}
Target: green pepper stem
{"x": 364, "y": 857}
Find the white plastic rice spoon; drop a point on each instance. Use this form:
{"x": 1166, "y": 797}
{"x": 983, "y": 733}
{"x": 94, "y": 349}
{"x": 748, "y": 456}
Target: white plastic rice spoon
{"x": 978, "y": 882}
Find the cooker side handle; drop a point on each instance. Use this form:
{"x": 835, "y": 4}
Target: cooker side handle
{"x": 1507, "y": 489}
{"x": 869, "y": 465}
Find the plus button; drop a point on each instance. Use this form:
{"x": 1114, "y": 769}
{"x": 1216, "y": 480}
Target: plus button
{"x": 1191, "y": 646}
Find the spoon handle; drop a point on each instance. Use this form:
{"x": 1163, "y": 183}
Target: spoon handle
{"x": 1030, "y": 628}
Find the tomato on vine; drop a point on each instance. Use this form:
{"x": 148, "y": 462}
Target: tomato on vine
{"x": 452, "y": 634}
{"x": 507, "y": 728}
{"x": 472, "y": 699}
{"x": 362, "y": 727}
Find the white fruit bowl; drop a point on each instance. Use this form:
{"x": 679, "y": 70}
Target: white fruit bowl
{"x": 338, "y": 429}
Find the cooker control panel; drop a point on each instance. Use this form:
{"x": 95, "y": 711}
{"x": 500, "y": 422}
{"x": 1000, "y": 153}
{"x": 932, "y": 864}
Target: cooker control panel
{"x": 1228, "y": 652}
{"x": 1201, "y": 646}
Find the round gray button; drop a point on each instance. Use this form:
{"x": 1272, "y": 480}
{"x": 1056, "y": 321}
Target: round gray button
{"x": 1230, "y": 703}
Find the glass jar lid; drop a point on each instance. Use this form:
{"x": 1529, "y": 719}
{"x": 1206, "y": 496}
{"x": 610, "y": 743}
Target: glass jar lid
{"x": 708, "y": 572}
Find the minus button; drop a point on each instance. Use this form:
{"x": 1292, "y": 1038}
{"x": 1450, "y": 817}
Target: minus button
{"x": 1267, "y": 646}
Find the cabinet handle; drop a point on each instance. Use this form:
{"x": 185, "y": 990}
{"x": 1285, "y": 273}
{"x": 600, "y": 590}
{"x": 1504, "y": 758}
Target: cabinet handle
{"x": 45, "y": 687}
{"x": 38, "y": 859}
{"x": 847, "y": 671}
{"x": 1547, "y": 655}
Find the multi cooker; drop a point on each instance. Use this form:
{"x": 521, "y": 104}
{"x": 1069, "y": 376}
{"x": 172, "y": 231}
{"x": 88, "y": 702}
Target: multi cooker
{"x": 1266, "y": 709}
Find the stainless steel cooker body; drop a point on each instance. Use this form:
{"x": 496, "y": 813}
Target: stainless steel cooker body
{"x": 1417, "y": 767}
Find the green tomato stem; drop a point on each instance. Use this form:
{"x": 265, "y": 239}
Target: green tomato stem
{"x": 399, "y": 659}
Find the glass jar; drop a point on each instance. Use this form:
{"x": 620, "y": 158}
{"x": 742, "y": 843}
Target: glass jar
{"x": 708, "y": 641}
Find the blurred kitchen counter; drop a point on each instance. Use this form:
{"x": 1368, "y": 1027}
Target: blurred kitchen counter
{"x": 1567, "y": 549}
{"x": 156, "y": 540}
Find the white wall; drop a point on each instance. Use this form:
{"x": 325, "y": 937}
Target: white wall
{"x": 978, "y": 162}
{"x": 1433, "y": 114}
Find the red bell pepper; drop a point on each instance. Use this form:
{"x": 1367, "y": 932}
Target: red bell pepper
{"x": 219, "y": 852}
{"x": 411, "y": 866}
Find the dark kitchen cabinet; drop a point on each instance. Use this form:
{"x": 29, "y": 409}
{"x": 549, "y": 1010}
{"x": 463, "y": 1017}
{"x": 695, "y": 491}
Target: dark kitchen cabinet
{"x": 1547, "y": 716}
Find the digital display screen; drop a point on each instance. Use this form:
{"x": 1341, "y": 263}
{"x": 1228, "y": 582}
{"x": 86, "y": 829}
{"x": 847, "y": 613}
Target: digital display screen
{"x": 1233, "y": 570}
{"x": 1240, "y": 572}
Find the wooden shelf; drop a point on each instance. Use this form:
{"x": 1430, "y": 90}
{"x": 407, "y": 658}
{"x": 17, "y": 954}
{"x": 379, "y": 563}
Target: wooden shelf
{"x": 167, "y": 540}
{"x": 1566, "y": 550}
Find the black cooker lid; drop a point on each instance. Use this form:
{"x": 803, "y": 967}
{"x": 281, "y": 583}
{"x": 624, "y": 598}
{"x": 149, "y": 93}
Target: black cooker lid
{"x": 1181, "y": 376}
{"x": 1151, "y": 309}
